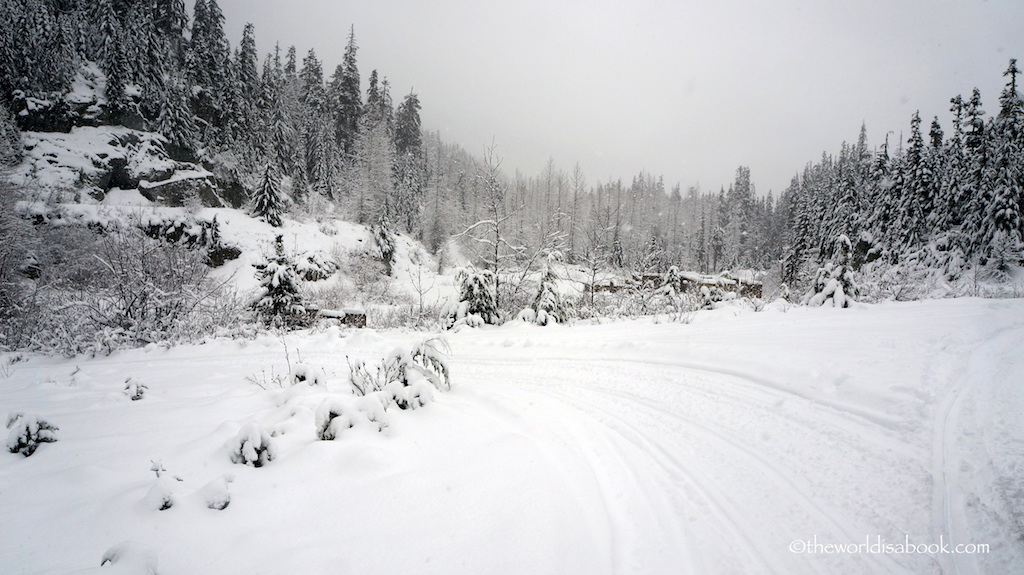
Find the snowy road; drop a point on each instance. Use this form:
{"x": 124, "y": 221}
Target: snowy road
{"x": 725, "y": 446}
{"x": 742, "y": 443}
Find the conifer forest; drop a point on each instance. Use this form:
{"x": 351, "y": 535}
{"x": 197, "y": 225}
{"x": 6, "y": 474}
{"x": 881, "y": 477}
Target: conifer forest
{"x": 284, "y": 124}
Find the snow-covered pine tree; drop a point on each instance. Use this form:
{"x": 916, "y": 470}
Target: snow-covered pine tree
{"x": 112, "y": 57}
{"x": 384, "y": 242}
{"x": 477, "y": 304}
{"x": 176, "y": 122}
{"x": 548, "y": 305}
{"x": 407, "y": 126}
{"x": 834, "y": 283}
{"x": 346, "y": 91}
{"x": 372, "y": 172}
{"x": 409, "y": 168}
{"x": 171, "y": 21}
{"x": 267, "y": 202}
{"x": 949, "y": 203}
{"x": 378, "y": 107}
{"x": 1003, "y": 225}
{"x": 918, "y": 191}
{"x": 976, "y": 151}
{"x": 280, "y": 302}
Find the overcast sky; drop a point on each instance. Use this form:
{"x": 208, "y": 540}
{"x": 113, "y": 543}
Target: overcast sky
{"x": 685, "y": 89}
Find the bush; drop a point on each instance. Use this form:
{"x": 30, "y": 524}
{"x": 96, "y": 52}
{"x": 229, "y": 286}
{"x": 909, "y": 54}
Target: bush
{"x": 334, "y": 416}
{"x": 425, "y": 362}
{"x": 834, "y": 282}
{"x": 476, "y": 305}
{"x": 253, "y": 447}
{"x": 96, "y": 292}
{"x": 135, "y": 390}
{"x": 301, "y": 372}
{"x": 28, "y": 432}
{"x": 314, "y": 266}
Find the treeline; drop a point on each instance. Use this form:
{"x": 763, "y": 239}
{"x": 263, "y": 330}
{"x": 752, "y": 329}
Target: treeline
{"x": 949, "y": 203}
{"x": 300, "y": 140}
{"x": 941, "y": 202}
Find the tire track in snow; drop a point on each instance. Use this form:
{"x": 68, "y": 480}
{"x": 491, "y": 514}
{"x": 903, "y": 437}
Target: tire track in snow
{"x": 950, "y": 499}
{"x": 662, "y": 459}
{"x": 608, "y": 406}
{"x": 787, "y": 483}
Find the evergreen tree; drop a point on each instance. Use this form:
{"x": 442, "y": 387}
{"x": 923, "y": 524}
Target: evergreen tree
{"x": 171, "y": 20}
{"x": 949, "y": 204}
{"x": 409, "y": 168}
{"x": 975, "y": 187}
{"x": 384, "y": 243}
{"x": 477, "y": 299}
{"x": 378, "y": 105}
{"x": 917, "y": 188}
{"x": 548, "y": 305}
{"x": 1003, "y": 226}
{"x": 112, "y": 57}
{"x": 346, "y": 91}
{"x": 280, "y": 303}
{"x": 408, "y": 139}
{"x": 267, "y": 202}
{"x": 176, "y": 122}
{"x": 246, "y": 67}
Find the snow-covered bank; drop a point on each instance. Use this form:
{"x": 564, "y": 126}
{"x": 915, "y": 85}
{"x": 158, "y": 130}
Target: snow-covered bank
{"x": 628, "y": 447}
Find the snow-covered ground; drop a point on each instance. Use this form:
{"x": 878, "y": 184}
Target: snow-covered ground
{"x": 741, "y": 443}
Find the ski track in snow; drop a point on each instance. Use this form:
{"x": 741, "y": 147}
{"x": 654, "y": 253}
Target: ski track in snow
{"x": 624, "y": 448}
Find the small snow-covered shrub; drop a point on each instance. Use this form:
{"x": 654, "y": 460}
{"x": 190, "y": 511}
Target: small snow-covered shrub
{"x": 476, "y": 304}
{"x": 334, "y": 416}
{"x": 709, "y": 296}
{"x": 253, "y": 446}
{"x": 215, "y": 493}
{"x": 99, "y": 292}
{"x": 160, "y": 496}
{"x": 833, "y": 285}
{"x": 315, "y": 266}
{"x": 302, "y": 372}
{"x": 134, "y": 389}
{"x": 413, "y": 396}
{"x": 834, "y": 282}
{"x": 28, "y": 432}
{"x": 131, "y": 557}
{"x": 425, "y": 362}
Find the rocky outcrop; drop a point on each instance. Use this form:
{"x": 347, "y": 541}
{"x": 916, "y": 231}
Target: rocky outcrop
{"x": 97, "y": 159}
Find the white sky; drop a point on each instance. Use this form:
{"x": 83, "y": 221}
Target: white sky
{"x": 685, "y": 89}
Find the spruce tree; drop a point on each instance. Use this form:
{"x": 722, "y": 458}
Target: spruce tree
{"x": 1003, "y": 224}
{"x": 408, "y": 139}
{"x": 176, "y": 122}
{"x": 346, "y": 90}
{"x": 949, "y": 204}
{"x": 267, "y": 202}
{"x": 976, "y": 151}
{"x": 409, "y": 168}
{"x": 548, "y": 305}
{"x": 280, "y": 303}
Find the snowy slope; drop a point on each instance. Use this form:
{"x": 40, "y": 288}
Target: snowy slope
{"x": 629, "y": 447}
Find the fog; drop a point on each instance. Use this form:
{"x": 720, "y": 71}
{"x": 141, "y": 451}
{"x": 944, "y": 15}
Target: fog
{"x": 687, "y": 90}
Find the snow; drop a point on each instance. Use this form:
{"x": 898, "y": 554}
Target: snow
{"x": 721, "y": 446}
{"x": 119, "y": 197}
